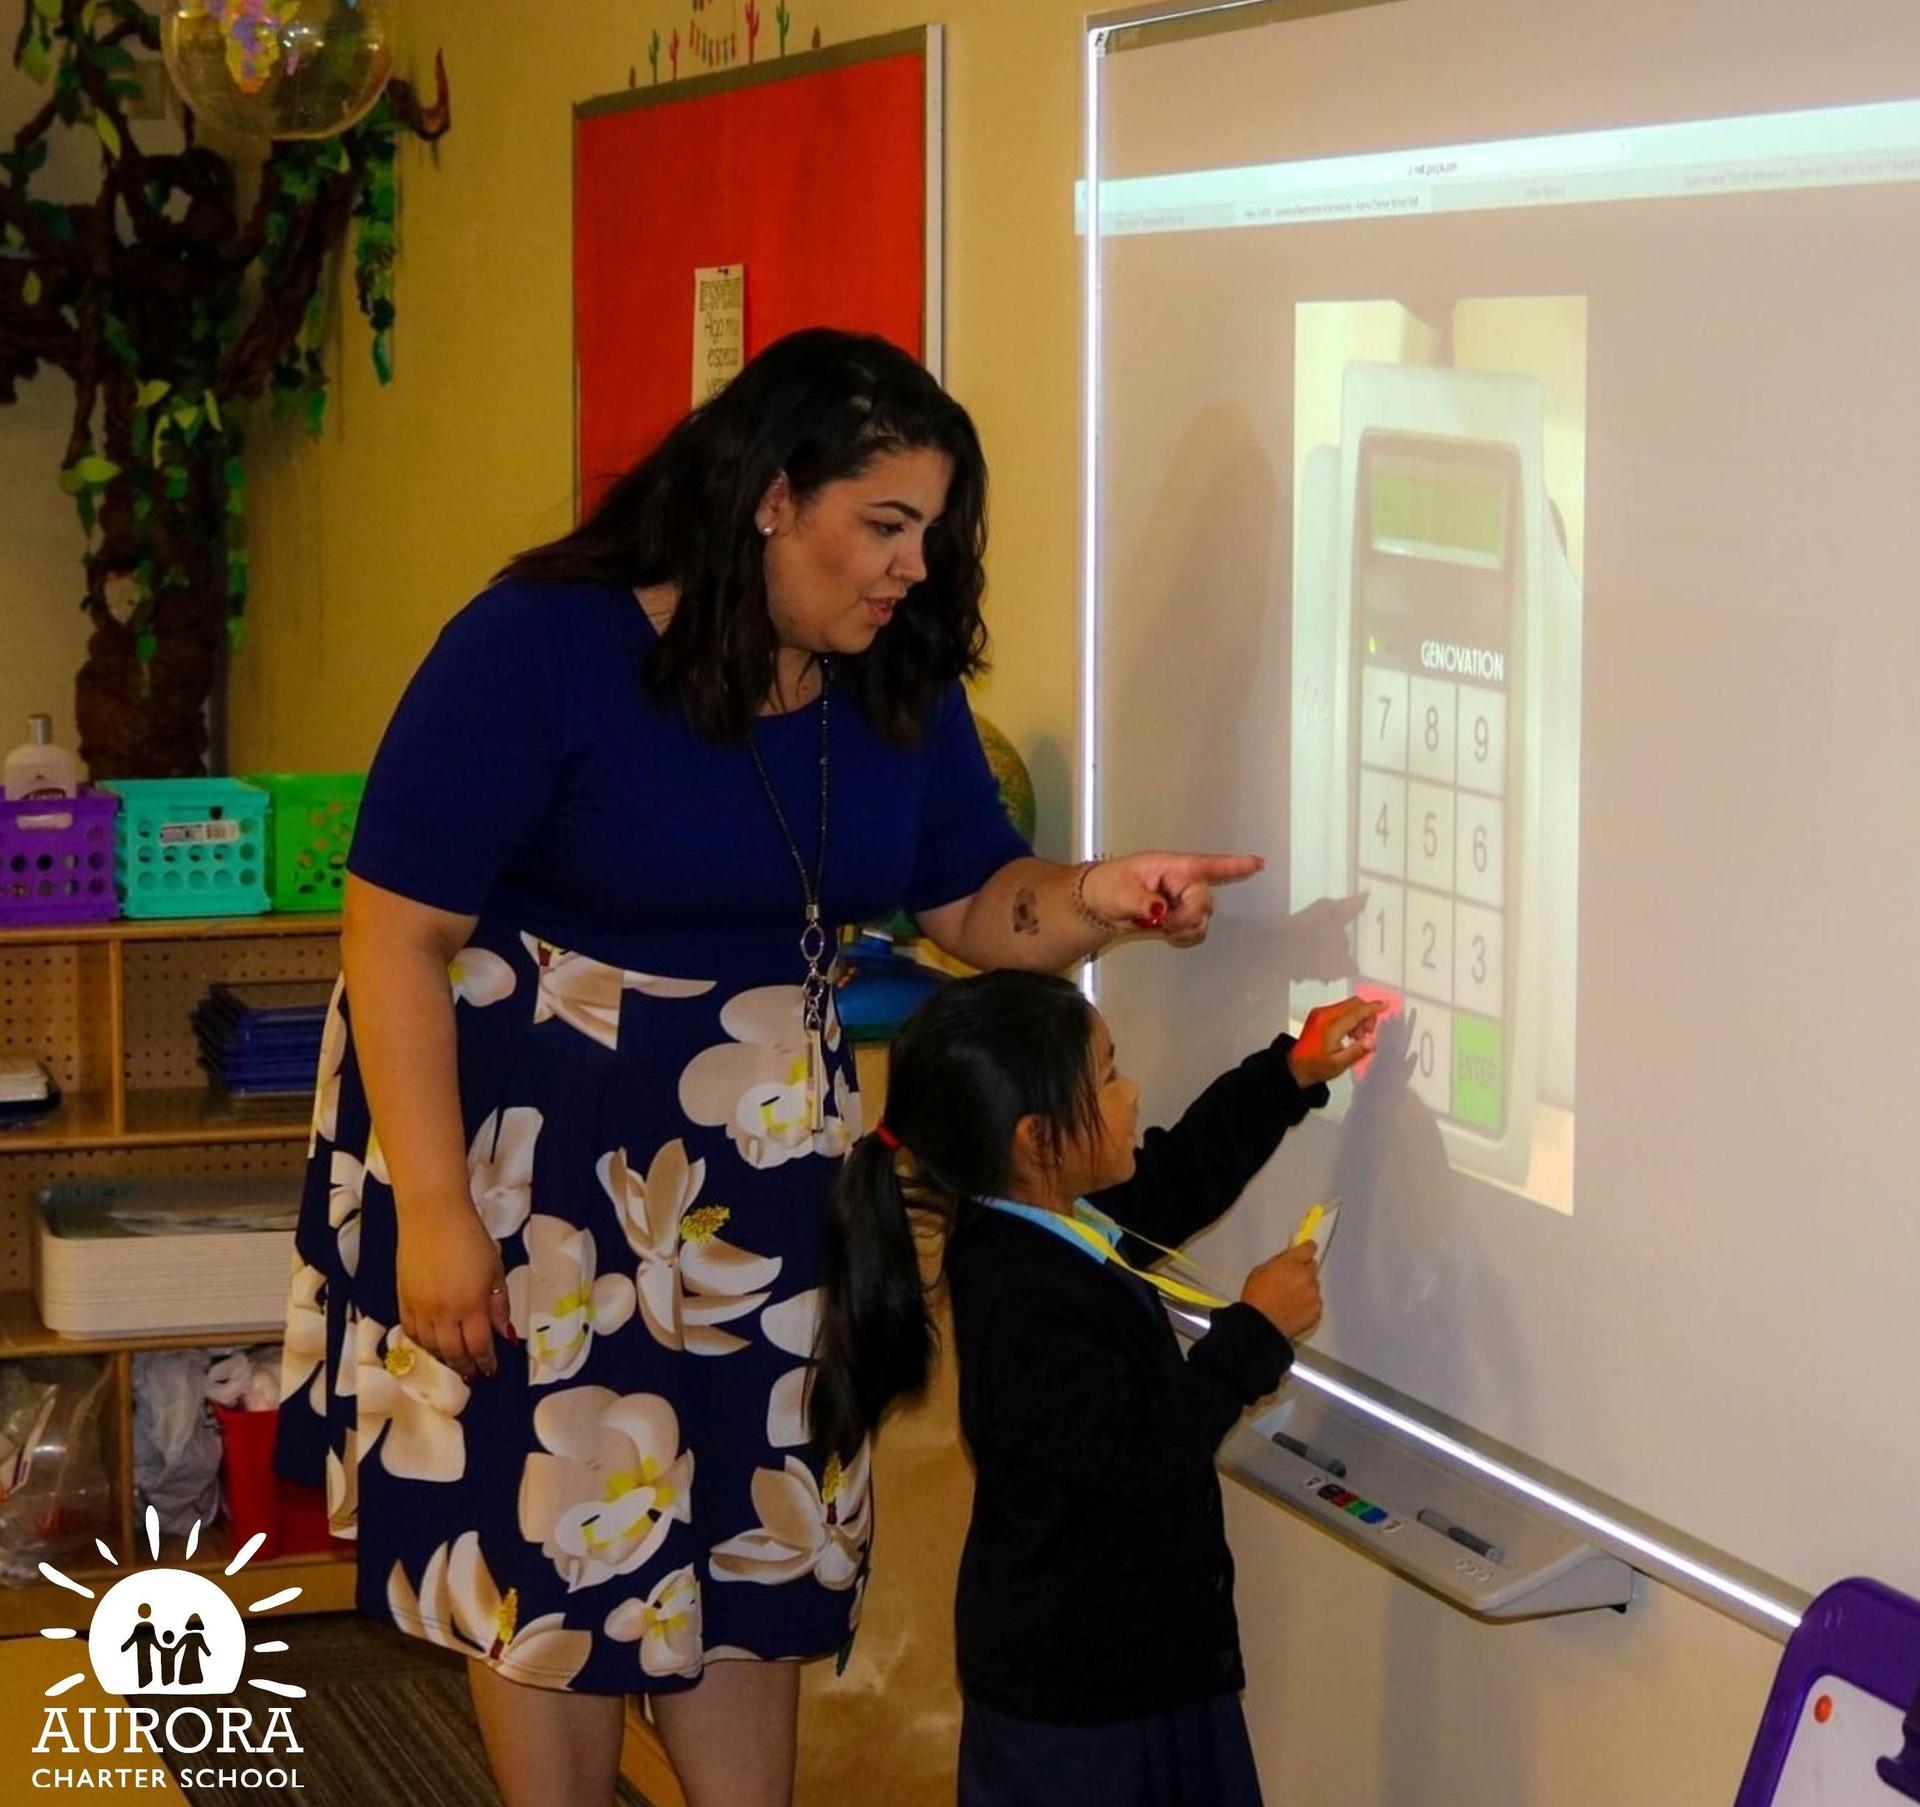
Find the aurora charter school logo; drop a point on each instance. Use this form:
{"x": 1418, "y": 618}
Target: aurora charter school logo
{"x": 158, "y": 1632}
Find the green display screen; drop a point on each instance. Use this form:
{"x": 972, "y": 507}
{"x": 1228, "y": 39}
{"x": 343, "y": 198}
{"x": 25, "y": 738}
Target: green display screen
{"x": 1417, "y": 505}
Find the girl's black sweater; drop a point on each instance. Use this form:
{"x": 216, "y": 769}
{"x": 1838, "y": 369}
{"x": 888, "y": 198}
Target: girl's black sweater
{"x": 1096, "y": 1583}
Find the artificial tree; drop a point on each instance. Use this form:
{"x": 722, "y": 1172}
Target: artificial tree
{"x": 173, "y": 306}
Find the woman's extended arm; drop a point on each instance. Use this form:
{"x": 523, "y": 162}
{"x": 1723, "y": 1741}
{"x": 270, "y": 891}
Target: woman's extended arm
{"x": 1041, "y": 916}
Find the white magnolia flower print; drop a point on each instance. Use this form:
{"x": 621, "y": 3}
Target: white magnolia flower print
{"x": 412, "y": 1397}
{"x": 343, "y": 1471}
{"x": 347, "y": 1369}
{"x": 585, "y": 994}
{"x": 600, "y": 1494}
{"x": 806, "y": 1527}
{"x": 343, "y": 1495}
{"x": 461, "y": 1607}
{"x": 326, "y": 1085}
{"x": 756, "y": 1085}
{"x": 500, "y": 1168}
{"x": 690, "y": 1280}
{"x": 480, "y": 978}
{"x": 303, "y": 1354}
{"x": 666, "y": 1625}
{"x": 792, "y": 1326}
{"x": 347, "y": 1181}
{"x": 841, "y": 1128}
{"x": 558, "y": 1301}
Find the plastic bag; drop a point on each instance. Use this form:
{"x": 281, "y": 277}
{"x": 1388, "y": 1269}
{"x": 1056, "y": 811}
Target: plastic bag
{"x": 56, "y": 1493}
{"x": 176, "y": 1445}
{"x": 246, "y": 1380}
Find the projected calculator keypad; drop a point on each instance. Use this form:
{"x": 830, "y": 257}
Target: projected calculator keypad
{"x": 1431, "y": 843}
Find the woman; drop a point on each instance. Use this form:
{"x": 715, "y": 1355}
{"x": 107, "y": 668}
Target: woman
{"x": 547, "y": 1335}
{"x": 191, "y": 1648}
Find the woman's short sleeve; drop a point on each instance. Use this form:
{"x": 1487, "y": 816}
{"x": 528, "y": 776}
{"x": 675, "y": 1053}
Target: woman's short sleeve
{"x": 468, "y": 768}
{"x": 964, "y": 837}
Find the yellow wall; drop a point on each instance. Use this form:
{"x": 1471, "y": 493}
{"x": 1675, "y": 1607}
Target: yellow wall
{"x": 426, "y": 487}
{"x": 42, "y": 632}
{"x": 1364, "y": 1692}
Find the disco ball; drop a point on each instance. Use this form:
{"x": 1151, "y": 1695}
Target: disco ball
{"x": 279, "y": 68}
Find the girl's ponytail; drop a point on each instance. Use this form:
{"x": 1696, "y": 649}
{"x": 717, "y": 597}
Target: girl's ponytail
{"x": 980, "y": 1054}
{"x": 876, "y": 1337}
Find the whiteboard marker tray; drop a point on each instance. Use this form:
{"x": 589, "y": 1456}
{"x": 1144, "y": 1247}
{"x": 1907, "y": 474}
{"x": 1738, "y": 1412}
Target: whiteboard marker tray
{"x": 1486, "y": 1552}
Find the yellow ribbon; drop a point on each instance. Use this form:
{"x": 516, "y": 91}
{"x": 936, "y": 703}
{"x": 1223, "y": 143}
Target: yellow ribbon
{"x": 1163, "y": 1283}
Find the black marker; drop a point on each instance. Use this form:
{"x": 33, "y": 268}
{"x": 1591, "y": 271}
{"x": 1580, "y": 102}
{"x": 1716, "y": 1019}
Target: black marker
{"x": 1307, "y": 1453}
{"x": 1460, "y": 1535}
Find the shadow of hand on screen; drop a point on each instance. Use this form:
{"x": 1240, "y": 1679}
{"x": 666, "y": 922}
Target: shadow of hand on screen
{"x": 1317, "y": 943}
{"x": 1393, "y": 1173}
{"x": 1429, "y": 1312}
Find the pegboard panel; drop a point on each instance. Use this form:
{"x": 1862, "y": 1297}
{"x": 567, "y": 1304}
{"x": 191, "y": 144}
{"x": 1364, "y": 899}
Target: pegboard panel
{"x": 55, "y": 1008}
{"x": 22, "y": 1175}
{"x": 166, "y": 979}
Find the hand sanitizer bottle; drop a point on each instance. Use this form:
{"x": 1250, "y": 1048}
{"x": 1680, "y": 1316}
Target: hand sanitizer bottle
{"x": 41, "y": 769}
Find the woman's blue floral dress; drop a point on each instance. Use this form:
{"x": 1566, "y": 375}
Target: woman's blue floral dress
{"x": 630, "y": 1497}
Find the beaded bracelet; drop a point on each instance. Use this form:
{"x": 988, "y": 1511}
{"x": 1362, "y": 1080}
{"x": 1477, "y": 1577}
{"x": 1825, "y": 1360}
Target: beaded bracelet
{"x": 1084, "y": 910}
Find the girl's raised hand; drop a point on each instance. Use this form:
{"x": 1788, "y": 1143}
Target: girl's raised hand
{"x": 1333, "y": 1038}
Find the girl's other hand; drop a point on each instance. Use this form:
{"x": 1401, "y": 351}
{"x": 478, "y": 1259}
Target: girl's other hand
{"x": 1286, "y": 1291}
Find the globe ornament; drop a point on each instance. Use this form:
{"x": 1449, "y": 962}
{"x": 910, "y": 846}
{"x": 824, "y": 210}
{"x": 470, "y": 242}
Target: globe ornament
{"x": 265, "y": 69}
{"x": 1016, "y": 798}
{"x": 1010, "y": 773}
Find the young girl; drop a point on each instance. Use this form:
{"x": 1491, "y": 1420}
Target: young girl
{"x": 1098, "y": 1650}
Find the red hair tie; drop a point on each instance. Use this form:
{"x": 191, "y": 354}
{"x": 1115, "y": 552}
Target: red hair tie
{"x": 888, "y": 1140}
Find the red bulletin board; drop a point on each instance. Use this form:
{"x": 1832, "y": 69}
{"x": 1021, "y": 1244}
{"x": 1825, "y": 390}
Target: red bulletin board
{"x": 820, "y": 173}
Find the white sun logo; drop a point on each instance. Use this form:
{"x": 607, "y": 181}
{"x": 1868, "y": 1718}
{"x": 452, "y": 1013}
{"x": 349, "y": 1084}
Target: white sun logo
{"x": 169, "y": 1631}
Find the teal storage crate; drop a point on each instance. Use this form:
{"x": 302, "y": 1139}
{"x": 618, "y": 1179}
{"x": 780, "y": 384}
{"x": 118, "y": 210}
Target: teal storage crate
{"x": 190, "y": 847}
{"x": 310, "y": 828}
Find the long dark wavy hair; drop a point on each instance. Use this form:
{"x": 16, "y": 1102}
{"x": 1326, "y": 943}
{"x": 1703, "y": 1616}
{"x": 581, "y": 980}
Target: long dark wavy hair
{"x": 819, "y": 406}
{"x": 975, "y": 1058}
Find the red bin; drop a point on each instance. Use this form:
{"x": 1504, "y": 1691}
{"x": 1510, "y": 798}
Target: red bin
{"x": 293, "y": 1517}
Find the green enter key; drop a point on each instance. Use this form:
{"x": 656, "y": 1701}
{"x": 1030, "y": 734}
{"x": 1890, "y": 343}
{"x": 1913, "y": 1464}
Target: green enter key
{"x": 1479, "y": 1062}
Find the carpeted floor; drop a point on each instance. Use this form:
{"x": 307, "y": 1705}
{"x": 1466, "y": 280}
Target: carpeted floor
{"x": 387, "y": 1719}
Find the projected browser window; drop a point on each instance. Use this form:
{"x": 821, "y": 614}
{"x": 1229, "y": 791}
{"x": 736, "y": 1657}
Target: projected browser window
{"x": 1368, "y": 375}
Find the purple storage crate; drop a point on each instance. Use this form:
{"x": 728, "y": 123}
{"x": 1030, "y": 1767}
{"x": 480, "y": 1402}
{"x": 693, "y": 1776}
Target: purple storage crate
{"x": 56, "y": 860}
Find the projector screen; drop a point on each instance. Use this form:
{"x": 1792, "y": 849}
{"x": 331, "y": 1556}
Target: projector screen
{"x": 1502, "y": 446}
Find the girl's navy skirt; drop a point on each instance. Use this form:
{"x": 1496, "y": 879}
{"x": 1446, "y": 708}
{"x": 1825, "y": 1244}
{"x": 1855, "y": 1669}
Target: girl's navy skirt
{"x": 1196, "y": 1756}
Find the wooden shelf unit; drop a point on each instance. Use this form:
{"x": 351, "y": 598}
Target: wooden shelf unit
{"x": 106, "y": 1008}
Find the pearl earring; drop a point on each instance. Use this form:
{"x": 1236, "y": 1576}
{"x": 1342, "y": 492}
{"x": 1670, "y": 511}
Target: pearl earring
{"x": 766, "y": 530}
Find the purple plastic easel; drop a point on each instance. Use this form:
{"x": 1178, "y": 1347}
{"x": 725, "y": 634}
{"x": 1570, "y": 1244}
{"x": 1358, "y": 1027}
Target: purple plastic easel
{"x": 1863, "y": 1633}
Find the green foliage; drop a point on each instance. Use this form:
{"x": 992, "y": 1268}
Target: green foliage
{"x": 163, "y": 375}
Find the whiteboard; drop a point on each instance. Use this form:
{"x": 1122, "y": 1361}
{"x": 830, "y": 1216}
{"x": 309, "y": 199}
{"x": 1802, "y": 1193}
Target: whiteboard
{"x": 1502, "y": 429}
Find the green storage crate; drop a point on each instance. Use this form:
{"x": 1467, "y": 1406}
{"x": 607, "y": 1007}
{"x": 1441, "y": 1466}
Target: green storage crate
{"x": 190, "y": 847}
{"x": 309, "y": 832}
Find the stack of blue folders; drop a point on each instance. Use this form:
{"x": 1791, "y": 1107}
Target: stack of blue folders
{"x": 260, "y": 1041}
